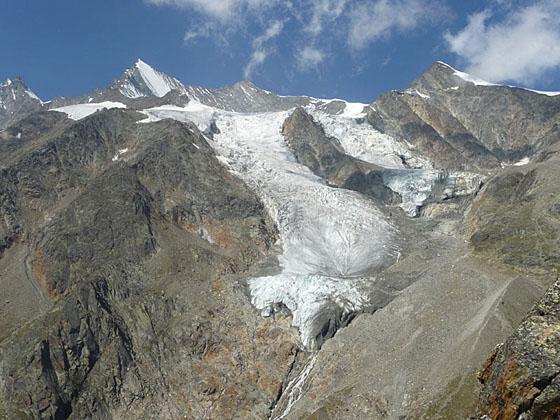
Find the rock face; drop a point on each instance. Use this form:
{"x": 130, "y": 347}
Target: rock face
{"x": 516, "y": 217}
{"x": 522, "y": 377}
{"x": 326, "y": 158}
{"x": 515, "y": 221}
{"x": 442, "y": 114}
{"x": 16, "y": 101}
{"x": 135, "y": 233}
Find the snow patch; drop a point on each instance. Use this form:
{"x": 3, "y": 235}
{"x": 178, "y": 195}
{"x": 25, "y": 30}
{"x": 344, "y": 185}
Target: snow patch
{"x": 522, "y": 162}
{"x": 416, "y": 92}
{"x": 118, "y": 154}
{"x": 32, "y": 95}
{"x": 155, "y": 80}
{"x": 542, "y": 92}
{"x": 77, "y": 112}
{"x": 353, "y": 110}
{"x": 479, "y": 82}
{"x": 201, "y": 115}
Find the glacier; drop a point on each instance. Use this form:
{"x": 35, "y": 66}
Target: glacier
{"x": 332, "y": 239}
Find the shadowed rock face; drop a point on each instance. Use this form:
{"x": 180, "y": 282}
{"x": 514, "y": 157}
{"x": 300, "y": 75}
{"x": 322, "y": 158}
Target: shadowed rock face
{"x": 16, "y": 102}
{"x": 327, "y": 159}
{"x": 134, "y": 255}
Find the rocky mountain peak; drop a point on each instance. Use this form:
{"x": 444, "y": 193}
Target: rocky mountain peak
{"x": 16, "y": 99}
{"x": 17, "y": 85}
{"x": 142, "y": 80}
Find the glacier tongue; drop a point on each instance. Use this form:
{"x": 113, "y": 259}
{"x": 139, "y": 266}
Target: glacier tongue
{"x": 332, "y": 238}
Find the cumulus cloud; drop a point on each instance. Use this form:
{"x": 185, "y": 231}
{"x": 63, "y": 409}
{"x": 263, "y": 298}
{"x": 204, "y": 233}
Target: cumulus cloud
{"x": 522, "y": 46}
{"x": 261, "y": 47}
{"x": 309, "y": 58}
{"x": 370, "y": 21}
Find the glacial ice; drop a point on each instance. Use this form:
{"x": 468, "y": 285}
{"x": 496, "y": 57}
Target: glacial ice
{"x": 362, "y": 141}
{"x": 332, "y": 238}
{"x": 420, "y": 187}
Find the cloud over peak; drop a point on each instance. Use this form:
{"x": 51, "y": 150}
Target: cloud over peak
{"x": 520, "y": 46}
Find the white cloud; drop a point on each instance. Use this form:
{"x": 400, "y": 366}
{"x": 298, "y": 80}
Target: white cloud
{"x": 521, "y": 47}
{"x": 220, "y": 9}
{"x": 372, "y": 20}
{"x": 324, "y": 12}
{"x": 202, "y": 30}
{"x": 309, "y": 58}
{"x": 261, "y": 47}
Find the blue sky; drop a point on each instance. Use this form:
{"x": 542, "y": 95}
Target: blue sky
{"x": 352, "y": 49}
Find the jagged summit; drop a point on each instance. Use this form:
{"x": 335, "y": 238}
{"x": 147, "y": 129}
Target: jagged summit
{"x": 16, "y": 99}
{"x": 142, "y": 80}
{"x": 18, "y": 85}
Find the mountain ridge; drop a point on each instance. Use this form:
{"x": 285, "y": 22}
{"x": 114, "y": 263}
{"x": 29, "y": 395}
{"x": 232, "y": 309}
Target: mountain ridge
{"x": 170, "y": 251}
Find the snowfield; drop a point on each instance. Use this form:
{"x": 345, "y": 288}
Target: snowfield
{"x": 77, "y": 112}
{"x": 201, "y": 115}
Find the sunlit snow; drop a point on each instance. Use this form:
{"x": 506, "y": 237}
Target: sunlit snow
{"x": 479, "y": 82}
{"x": 77, "y": 112}
{"x": 195, "y": 112}
{"x": 155, "y": 80}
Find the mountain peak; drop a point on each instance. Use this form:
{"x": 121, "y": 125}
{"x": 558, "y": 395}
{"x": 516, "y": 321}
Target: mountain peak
{"x": 140, "y": 62}
{"x": 17, "y": 86}
{"x": 142, "y": 80}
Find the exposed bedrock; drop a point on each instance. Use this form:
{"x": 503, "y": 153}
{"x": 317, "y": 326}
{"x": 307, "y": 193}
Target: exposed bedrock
{"x": 138, "y": 259}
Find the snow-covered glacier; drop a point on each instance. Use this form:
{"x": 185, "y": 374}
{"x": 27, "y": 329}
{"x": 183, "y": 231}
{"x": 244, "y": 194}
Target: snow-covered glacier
{"x": 332, "y": 239}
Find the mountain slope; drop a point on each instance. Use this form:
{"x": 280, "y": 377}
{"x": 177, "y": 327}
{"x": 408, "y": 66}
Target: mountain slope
{"x": 441, "y": 114}
{"x": 169, "y": 250}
